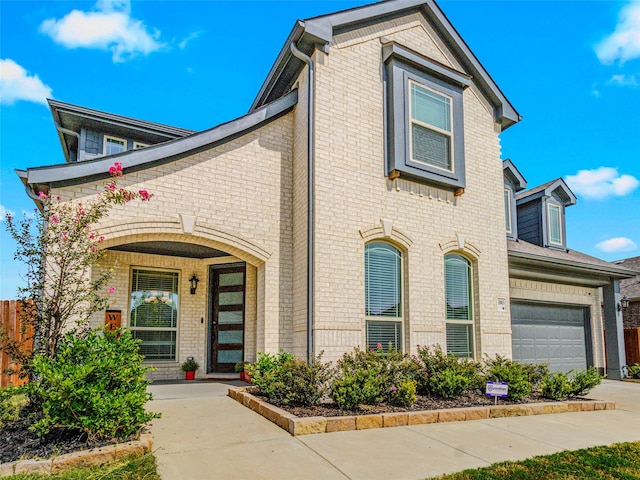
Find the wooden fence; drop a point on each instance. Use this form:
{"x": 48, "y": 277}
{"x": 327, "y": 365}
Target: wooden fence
{"x": 10, "y": 325}
{"x": 632, "y": 345}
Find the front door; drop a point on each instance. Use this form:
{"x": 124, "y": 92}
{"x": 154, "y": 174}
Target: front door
{"x": 227, "y": 317}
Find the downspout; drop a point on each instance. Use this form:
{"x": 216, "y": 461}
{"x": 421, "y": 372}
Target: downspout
{"x": 67, "y": 131}
{"x": 310, "y": 197}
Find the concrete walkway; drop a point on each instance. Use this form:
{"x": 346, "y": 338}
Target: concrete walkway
{"x": 205, "y": 435}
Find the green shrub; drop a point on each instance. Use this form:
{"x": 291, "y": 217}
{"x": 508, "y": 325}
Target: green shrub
{"x": 560, "y": 385}
{"x": 517, "y": 375}
{"x": 458, "y": 374}
{"x": 634, "y": 371}
{"x": 448, "y": 383}
{"x": 403, "y": 394}
{"x": 556, "y": 386}
{"x": 12, "y": 399}
{"x": 361, "y": 387}
{"x": 264, "y": 369}
{"x": 299, "y": 383}
{"x": 95, "y": 384}
{"x": 584, "y": 380}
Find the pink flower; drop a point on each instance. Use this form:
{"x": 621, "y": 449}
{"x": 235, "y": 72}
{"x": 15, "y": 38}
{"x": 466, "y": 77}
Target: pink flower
{"x": 57, "y": 198}
{"x": 100, "y": 239}
{"x": 111, "y": 186}
{"x": 112, "y": 289}
{"x": 144, "y": 195}
{"x": 54, "y": 219}
{"x": 394, "y": 389}
{"x": 42, "y": 196}
{"x": 379, "y": 345}
{"x": 116, "y": 170}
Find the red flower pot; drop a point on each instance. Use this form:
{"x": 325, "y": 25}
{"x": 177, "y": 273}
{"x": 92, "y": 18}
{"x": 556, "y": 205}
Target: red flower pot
{"x": 190, "y": 375}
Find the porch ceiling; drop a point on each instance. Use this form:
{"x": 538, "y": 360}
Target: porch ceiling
{"x": 172, "y": 249}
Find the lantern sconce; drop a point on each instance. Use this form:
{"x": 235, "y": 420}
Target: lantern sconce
{"x": 624, "y": 302}
{"x": 194, "y": 283}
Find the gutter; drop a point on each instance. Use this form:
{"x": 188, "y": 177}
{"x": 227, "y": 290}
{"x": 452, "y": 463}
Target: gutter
{"x": 584, "y": 267}
{"x": 310, "y": 197}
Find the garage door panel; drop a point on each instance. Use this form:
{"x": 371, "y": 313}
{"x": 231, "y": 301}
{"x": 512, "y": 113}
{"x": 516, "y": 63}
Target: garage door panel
{"x": 550, "y": 333}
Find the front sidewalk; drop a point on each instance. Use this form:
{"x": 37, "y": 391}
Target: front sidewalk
{"x": 204, "y": 434}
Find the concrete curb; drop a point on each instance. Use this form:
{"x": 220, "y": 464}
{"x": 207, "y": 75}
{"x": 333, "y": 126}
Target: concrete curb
{"x": 85, "y": 458}
{"x": 309, "y": 425}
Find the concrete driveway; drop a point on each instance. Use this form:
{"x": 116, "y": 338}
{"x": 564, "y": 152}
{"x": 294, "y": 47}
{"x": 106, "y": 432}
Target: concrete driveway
{"x": 203, "y": 434}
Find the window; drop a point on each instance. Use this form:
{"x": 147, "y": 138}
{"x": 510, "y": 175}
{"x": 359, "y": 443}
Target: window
{"x": 431, "y": 134}
{"x": 383, "y": 295}
{"x": 507, "y": 209}
{"x": 138, "y": 145}
{"x": 424, "y": 118}
{"x": 113, "y": 145}
{"x": 459, "y": 305}
{"x": 154, "y": 312}
{"x": 555, "y": 228}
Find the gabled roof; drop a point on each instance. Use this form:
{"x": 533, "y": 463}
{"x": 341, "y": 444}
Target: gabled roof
{"x": 631, "y": 286}
{"x": 79, "y": 172}
{"x": 318, "y": 32}
{"x": 567, "y": 266}
{"x": 557, "y": 186}
{"x": 513, "y": 174}
{"x": 67, "y": 116}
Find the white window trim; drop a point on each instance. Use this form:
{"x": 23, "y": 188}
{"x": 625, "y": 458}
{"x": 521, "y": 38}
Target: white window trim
{"x": 472, "y": 320}
{"x": 173, "y": 329}
{"x": 549, "y": 206}
{"x": 117, "y": 139}
{"x": 137, "y": 145}
{"x": 432, "y": 127}
{"x": 400, "y": 319}
{"x": 508, "y": 214}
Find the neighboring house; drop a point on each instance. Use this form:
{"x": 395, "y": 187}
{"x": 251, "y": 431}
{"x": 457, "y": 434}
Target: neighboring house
{"x": 364, "y": 206}
{"x": 630, "y": 288}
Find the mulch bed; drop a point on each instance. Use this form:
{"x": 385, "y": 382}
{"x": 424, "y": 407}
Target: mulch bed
{"x": 18, "y": 442}
{"x": 423, "y": 402}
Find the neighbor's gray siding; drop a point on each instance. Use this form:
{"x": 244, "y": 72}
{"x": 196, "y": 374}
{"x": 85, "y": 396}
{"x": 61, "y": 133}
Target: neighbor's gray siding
{"x": 530, "y": 222}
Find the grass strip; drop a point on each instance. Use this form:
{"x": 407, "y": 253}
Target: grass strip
{"x": 620, "y": 461}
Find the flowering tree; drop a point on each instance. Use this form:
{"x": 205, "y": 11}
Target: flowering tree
{"x": 59, "y": 247}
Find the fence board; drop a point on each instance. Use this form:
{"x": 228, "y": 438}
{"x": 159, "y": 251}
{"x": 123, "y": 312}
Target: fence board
{"x": 10, "y": 324}
{"x": 632, "y": 345}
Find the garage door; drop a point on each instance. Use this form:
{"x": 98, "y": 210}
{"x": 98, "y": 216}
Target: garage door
{"x": 551, "y": 333}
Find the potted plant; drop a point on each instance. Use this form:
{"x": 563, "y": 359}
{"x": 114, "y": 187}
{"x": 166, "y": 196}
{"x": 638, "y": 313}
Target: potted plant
{"x": 247, "y": 372}
{"x": 239, "y": 368}
{"x": 189, "y": 368}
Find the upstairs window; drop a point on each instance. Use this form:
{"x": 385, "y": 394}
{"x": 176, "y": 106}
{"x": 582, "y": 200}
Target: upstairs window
{"x": 424, "y": 118}
{"x": 459, "y": 306}
{"x": 383, "y": 295}
{"x": 431, "y": 131}
{"x": 507, "y": 210}
{"x": 138, "y": 145}
{"x": 113, "y": 145}
{"x": 555, "y": 224}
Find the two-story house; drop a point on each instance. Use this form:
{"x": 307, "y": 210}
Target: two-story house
{"x": 361, "y": 200}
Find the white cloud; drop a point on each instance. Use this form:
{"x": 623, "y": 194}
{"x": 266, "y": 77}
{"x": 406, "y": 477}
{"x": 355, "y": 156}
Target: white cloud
{"x": 4, "y": 212}
{"x": 109, "y": 27}
{"x": 624, "y": 80}
{"x": 624, "y": 43}
{"x": 601, "y": 183}
{"x": 617, "y": 244}
{"x": 17, "y": 84}
{"x": 191, "y": 36}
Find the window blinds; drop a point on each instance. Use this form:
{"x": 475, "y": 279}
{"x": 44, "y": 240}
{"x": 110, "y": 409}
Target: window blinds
{"x": 383, "y": 270}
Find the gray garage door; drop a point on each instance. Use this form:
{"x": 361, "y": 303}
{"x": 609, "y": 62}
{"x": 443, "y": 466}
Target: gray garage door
{"x": 551, "y": 333}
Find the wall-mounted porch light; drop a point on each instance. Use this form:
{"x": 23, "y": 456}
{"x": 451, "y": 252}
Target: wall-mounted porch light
{"x": 194, "y": 283}
{"x": 624, "y": 302}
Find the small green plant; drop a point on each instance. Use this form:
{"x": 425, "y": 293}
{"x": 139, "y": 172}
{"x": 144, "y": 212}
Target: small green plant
{"x": 517, "y": 375}
{"x": 95, "y": 384}
{"x": 360, "y": 387}
{"x": 263, "y": 370}
{"x": 560, "y": 385}
{"x": 556, "y": 386}
{"x": 448, "y": 383}
{"x": 297, "y": 382}
{"x": 12, "y": 399}
{"x": 584, "y": 380}
{"x": 190, "y": 366}
{"x": 446, "y": 375}
{"x": 239, "y": 367}
{"x": 634, "y": 371}
{"x": 403, "y": 394}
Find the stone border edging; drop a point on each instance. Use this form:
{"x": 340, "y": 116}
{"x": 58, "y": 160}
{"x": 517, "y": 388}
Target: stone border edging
{"x": 309, "y": 425}
{"x": 84, "y": 458}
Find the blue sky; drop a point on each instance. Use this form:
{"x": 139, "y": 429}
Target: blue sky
{"x": 572, "y": 70}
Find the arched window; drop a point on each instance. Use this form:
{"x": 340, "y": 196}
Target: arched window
{"x": 383, "y": 295}
{"x": 459, "y": 305}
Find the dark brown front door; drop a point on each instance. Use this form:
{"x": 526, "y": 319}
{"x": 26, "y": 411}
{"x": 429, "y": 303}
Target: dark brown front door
{"x": 227, "y": 324}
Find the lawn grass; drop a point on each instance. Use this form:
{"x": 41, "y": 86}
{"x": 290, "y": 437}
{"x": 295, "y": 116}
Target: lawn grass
{"x": 137, "y": 468}
{"x": 620, "y": 461}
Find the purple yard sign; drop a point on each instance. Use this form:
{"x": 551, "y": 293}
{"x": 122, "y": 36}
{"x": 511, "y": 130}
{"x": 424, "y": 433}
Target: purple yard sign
{"x": 497, "y": 389}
